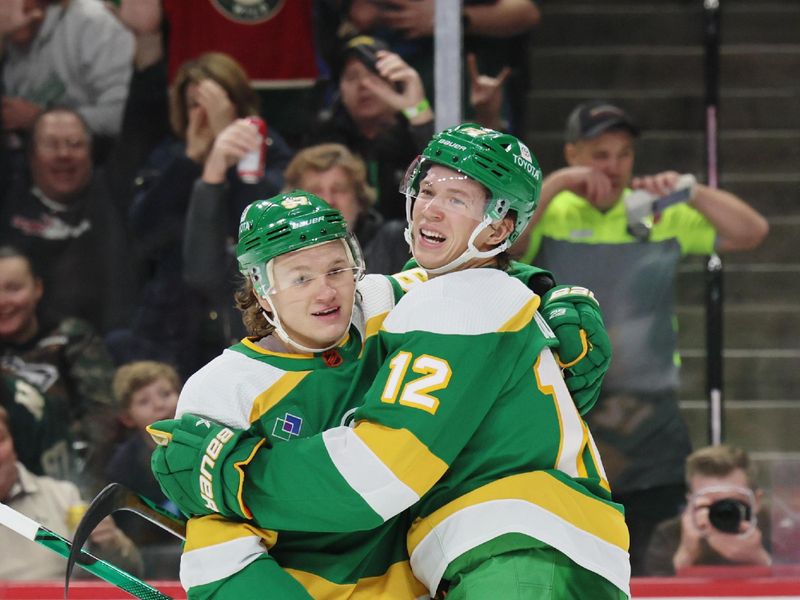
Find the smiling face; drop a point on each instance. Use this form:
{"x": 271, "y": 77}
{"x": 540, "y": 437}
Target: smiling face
{"x": 20, "y": 292}
{"x": 611, "y": 153}
{"x": 312, "y": 292}
{"x": 61, "y": 162}
{"x": 447, "y": 209}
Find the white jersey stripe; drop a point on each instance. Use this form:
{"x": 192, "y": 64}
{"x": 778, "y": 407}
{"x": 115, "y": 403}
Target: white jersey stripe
{"x": 219, "y": 561}
{"x": 480, "y": 523}
{"x": 366, "y": 474}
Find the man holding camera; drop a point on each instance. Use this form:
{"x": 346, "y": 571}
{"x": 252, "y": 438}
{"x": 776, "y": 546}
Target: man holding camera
{"x": 723, "y": 522}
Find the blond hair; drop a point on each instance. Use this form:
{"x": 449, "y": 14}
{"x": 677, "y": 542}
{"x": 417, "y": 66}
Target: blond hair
{"x": 719, "y": 461}
{"x": 132, "y": 377}
{"x": 323, "y": 157}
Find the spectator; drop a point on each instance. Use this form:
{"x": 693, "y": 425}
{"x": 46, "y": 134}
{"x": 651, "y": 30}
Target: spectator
{"x": 71, "y": 54}
{"x": 333, "y": 173}
{"x": 172, "y": 323}
{"x": 382, "y": 115}
{"x": 724, "y": 522}
{"x": 580, "y": 234}
{"x": 70, "y": 219}
{"x": 66, "y": 362}
{"x": 495, "y": 33}
{"x": 145, "y": 391}
{"x": 52, "y": 503}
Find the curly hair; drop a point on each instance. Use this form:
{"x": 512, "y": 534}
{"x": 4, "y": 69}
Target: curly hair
{"x": 252, "y": 313}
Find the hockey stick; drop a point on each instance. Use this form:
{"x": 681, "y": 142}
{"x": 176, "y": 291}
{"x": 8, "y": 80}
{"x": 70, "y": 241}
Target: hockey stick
{"x": 27, "y": 527}
{"x": 110, "y": 499}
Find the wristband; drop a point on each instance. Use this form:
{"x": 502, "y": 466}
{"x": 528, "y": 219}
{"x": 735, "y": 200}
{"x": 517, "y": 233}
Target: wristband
{"x": 415, "y": 111}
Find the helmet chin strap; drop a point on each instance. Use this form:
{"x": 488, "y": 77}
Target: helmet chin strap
{"x": 468, "y": 254}
{"x": 287, "y": 339}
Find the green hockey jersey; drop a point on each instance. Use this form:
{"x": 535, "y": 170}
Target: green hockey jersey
{"x": 288, "y": 397}
{"x": 469, "y": 424}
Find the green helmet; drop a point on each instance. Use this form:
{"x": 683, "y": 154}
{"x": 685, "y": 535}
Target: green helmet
{"x": 285, "y": 223}
{"x": 498, "y": 161}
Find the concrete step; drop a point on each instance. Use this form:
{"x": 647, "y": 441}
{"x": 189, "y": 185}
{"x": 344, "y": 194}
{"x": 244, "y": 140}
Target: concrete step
{"x": 768, "y": 429}
{"x": 650, "y": 67}
{"x": 770, "y": 284}
{"x": 745, "y": 326}
{"x": 762, "y": 151}
{"x": 772, "y": 195}
{"x": 763, "y": 108}
{"x": 765, "y": 374}
{"x": 781, "y": 245}
{"x": 674, "y": 24}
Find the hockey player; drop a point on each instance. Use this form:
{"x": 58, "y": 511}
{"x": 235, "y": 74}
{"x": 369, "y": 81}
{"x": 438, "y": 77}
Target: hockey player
{"x": 300, "y": 306}
{"x": 468, "y": 422}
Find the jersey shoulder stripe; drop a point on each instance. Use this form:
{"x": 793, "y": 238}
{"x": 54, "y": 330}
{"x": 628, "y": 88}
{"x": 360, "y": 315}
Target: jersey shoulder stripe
{"x": 235, "y": 402}
{"x": 471, "y": 302}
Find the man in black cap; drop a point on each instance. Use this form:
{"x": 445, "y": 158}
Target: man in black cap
{"x": 586, "y": 231}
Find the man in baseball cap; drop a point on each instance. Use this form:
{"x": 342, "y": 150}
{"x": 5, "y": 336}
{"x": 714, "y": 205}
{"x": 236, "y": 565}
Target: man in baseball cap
{"x": 590, "y": 119}
{"x": 582, "y": 232}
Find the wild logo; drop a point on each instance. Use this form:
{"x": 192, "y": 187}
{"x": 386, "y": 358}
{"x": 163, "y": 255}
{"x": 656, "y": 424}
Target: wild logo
{"x": 248, "y": 11}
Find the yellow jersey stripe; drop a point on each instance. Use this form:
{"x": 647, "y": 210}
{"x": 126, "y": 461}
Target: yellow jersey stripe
{"x": 397, "y": 582}
{"x": 404, "y": 454}
{"x": 374, "y": 325}
{"x": 523, "y": 317}
{"x": 483, "y": 522}
{"x": 275, "y": 393}
{"x": 211, "y": 530}
{"x": 542, "y": 489}
{"x": 256, "y": 348}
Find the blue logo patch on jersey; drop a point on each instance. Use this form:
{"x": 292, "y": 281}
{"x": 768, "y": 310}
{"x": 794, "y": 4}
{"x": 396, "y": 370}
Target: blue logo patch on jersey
{"x": 287, "y": 427}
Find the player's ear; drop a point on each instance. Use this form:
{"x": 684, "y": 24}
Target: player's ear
{"x": 500, "y": 231}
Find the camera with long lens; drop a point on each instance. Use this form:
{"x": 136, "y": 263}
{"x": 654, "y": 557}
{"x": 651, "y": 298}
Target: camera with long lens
{"x": 727, "y": 515}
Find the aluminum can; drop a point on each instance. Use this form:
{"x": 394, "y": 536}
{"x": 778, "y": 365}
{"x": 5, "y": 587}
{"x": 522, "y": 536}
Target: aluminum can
{"x": 251, "y": 165}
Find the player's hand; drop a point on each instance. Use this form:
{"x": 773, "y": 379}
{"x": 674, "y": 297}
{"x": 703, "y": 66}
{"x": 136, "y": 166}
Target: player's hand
{"x": 584, "y": 350}
{"x": 191, "y": 464}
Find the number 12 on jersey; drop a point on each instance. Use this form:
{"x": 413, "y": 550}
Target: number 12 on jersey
{"x": 434, "y": 375}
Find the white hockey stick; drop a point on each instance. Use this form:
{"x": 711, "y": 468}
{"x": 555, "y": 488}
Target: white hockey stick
{"x": 28, "y": 528}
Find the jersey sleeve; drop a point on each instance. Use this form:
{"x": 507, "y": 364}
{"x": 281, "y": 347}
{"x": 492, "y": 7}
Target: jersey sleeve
{"x": 443, "y": 362}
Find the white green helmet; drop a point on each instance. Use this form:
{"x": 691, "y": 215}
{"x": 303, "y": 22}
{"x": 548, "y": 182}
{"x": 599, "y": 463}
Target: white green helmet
{"x": 285, "y": 223}
{"x": 499, "y": 161}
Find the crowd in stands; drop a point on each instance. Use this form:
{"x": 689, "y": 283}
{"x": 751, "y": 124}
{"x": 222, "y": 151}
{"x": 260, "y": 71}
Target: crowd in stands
{"x": 119, "y": 207}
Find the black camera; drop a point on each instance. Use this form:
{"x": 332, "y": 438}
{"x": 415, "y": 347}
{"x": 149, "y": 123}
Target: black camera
{"x": 727, "y": 514}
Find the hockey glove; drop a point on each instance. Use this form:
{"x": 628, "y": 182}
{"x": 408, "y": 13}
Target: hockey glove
{"x": 584, "y": 350}
{"x": 198, "y": 464}
{"x": 538, "y": 280}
